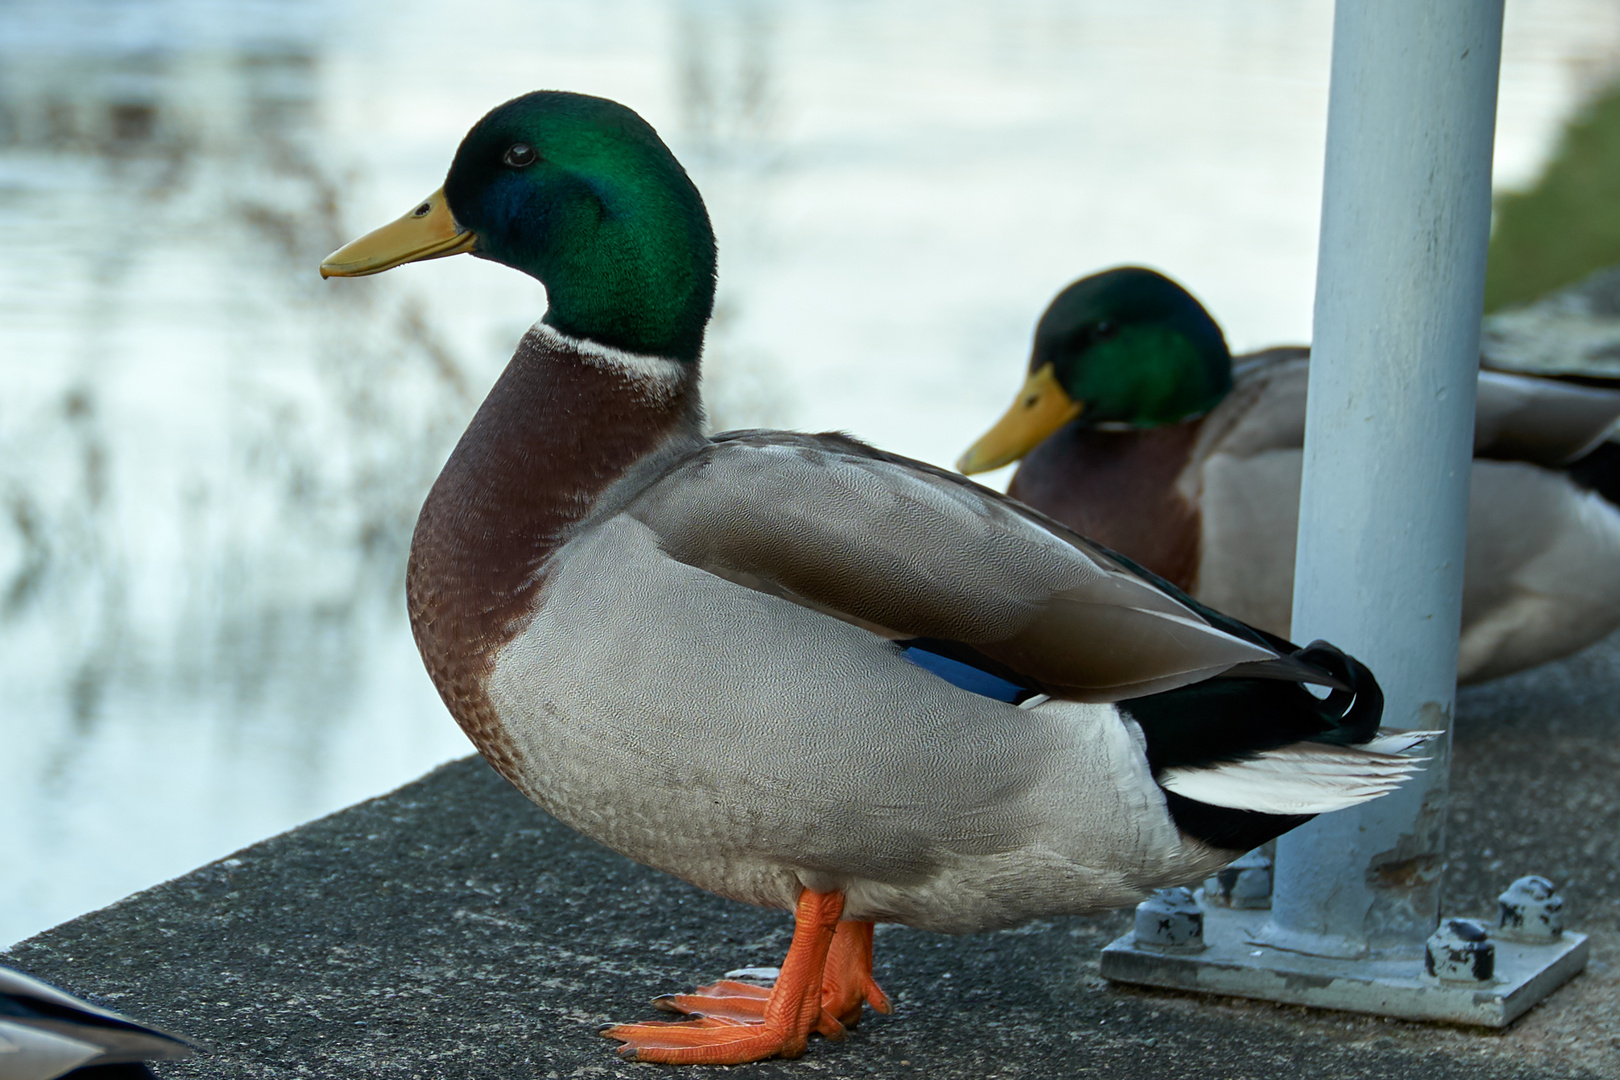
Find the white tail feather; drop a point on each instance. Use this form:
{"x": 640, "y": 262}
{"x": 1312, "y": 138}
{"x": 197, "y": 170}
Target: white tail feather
{"x": 1396, "y": 741}
{"x": 1302, "y": 778}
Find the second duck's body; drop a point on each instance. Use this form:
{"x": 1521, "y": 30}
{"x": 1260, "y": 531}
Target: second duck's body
{"x": 1204, "y": 489}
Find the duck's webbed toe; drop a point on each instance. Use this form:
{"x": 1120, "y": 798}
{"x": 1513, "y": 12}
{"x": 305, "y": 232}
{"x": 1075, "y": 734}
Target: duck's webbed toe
{"x": 706, "y": 1040}
{"x": 823, "y": 983}
{"x": 846, "y": 985}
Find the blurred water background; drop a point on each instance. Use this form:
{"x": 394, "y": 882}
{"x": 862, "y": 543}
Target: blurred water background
{"x": 210, "y": 460}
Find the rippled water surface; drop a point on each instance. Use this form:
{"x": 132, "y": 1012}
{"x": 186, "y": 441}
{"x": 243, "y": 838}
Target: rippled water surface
{"x": 210, "y": 460}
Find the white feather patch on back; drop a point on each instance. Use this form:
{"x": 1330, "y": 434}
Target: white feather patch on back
{"x": 1302, "y": 778}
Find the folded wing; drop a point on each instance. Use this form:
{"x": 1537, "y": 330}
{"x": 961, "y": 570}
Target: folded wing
{"x": 907, "y": 550}
{"x": 1542, "y": 421}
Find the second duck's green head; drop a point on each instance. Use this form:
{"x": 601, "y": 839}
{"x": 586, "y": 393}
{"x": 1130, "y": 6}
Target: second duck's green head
{"x": 1127, "y": 346}
{"x": 580, "y": 193}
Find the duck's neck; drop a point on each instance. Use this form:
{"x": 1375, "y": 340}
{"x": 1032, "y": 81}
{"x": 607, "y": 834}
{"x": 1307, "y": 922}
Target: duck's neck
{"x": 627, "y": 259}
{"x": 620, "y": 290}
{"x": 1120, "y": 488}
{"x": 569, "y": 428}
{"x": 1153, "y": 376}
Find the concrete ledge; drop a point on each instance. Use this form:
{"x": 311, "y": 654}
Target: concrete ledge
{"x": 452, "y": 930}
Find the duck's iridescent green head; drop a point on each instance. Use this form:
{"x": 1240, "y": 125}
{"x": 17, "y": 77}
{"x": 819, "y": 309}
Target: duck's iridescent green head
{"x": 1127, "y": 346}
{"x": 580, "y": 193}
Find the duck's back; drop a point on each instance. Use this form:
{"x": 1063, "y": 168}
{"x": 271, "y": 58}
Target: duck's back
{"x": 1543, "y": 562}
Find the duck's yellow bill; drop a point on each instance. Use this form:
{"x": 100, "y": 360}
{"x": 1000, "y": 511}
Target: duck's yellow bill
{"x": 1041, "y": 407}
{"x": 427, "y": 232}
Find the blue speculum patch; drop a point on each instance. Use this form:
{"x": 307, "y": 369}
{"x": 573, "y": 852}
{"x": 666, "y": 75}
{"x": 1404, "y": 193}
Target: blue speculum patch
{"x": 966, "y": 676}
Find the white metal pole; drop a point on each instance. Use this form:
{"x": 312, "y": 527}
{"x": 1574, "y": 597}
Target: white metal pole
{"x": 1388, "y": 439}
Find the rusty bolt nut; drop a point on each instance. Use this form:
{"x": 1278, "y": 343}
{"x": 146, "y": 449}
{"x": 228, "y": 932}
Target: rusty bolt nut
{"x": 1170, "y": 919}
{"x": 1460, "y": 951}
{"x": 1245, "y": 883}
{"x": 1530, "y": 911}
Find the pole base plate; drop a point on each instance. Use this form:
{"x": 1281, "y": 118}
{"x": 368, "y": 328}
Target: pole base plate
{"x": 1233, "y": 963}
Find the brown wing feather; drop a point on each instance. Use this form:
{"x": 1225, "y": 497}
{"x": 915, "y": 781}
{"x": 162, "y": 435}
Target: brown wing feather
{"x": 906, "y": 549}
{"x": 1542, "y": 421}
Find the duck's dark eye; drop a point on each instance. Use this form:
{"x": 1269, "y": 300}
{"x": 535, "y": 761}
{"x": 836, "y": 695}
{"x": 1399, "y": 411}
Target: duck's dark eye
{"x": 518, "y": 155}
{"x": 1103, "y": 329}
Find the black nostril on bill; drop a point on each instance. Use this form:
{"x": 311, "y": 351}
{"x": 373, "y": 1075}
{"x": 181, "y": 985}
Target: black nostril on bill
{"x": 422, "y": 210}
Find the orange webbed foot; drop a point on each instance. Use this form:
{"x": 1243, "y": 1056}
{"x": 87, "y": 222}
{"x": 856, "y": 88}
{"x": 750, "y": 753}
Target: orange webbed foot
{"x": 740, "y": 1003}
{"x": 822, "y": 983}
{"x": 846, "y": 984}
{"x": 728, "y": 999}
{"x": 706, "y": 1041}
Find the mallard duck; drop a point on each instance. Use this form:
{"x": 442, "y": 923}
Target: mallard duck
{"x": 795, "y": 670}
{"x": 1137, "y": 428}
{"x": 46, "y": 1033}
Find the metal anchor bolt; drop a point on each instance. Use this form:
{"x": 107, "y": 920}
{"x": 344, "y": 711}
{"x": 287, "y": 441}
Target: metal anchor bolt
{"x": 1170, "y": 919}
{"x": 1460, "y": 951}
{"x": 1530, "y": 911}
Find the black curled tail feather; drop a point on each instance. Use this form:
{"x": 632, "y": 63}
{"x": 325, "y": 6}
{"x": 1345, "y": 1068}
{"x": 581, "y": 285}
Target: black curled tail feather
{"x": 1235, "y": 719}
{"x": 1353, "y": 713}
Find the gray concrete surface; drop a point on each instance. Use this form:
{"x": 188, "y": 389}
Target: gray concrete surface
{"x": 453, "y": 930}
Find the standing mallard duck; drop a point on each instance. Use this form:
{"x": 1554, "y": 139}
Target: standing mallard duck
{"x": 792, "y": 669}
{"x": 1137, "y": 428}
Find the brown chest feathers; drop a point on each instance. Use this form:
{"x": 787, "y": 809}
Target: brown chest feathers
{"x": 565, "y": 422}
{"x": 1119, "y": 488}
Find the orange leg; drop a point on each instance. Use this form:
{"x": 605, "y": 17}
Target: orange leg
{"x": 739, "y": 1022}
{"x": 847, "y": 979}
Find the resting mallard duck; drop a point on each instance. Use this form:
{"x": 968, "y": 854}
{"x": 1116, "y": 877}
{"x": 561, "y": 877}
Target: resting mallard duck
{"x": 1140, "y": 430}
{"x": 792, "y": 669}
